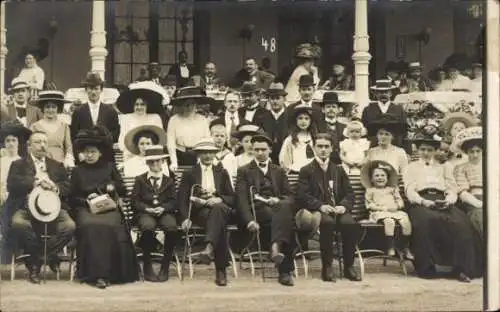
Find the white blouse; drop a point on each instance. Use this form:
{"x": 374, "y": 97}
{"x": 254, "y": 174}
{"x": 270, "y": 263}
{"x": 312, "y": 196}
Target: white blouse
{"x": 34, "y": 76}
{"x": 5, "y": 162}
{"x": 355, "y": 149}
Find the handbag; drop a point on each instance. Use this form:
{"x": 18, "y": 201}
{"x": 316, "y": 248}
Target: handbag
{"x": 101, "y": 204}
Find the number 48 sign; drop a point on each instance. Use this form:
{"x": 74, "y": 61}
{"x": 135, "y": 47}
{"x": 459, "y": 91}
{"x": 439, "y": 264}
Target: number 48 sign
{"x": 269, "y": 45}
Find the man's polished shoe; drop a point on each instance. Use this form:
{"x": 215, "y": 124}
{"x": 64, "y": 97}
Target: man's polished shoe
{"x": 207, "y": 255}
{"x": 351, "y": 274}
{"x": 276, "y": 256}
{"x": 163, "y": 275}
{"x": 34, "y": 275}
{"x": 220, "y": 277}
{"x": 327, "y": 274}
{"x": 285, "y": 279}
{"x": 101, "y": 283}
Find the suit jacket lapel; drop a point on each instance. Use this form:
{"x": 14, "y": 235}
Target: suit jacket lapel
{"x": 217, "y": 178}
{"x": 255, "y": 175}
{"x": 100, "y": 115}
{"x": 30, "y": 165}
{"x": 273, "y": 173}
{"x": 318, "y": 173}
{"x": 86, "y": 114}
{"x": 197, "y": 174}
{"x": 164, "y": 183}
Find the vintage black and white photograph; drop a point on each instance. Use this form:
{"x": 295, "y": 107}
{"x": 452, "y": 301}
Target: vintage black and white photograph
{"x": 244, "y": 155}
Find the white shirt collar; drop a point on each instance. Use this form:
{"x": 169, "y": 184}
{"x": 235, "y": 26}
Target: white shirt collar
{"x": 37, "y": 160}
{"x": 155, "y": 174}
{"x": 204, "y": 167}
{"x": 330, "y": 120}
{"x": 322, "y": 163}
{"x": 308, "y": 104}
{"x": 234, "y": 115}
{"x": 94, "y": 105}
{"x": 278, "y": 114}
{"x": 384, "y": 104}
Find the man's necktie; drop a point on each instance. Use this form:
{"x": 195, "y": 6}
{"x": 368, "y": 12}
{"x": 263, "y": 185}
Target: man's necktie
{"x": 154, "y": 182}
{"x": 233, "y": 125}
{"x": 21, "y": 112}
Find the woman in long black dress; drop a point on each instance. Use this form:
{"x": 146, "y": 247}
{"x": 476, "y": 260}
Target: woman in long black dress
{"x": 442, "y": 234}
{"x": 105, "y": 254}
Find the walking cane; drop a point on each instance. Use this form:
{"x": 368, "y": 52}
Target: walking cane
{"x": 128, "y": 228}
{"x": 257, "y": 233}
{"x": 187, "y": 243}
{"x": 45, "y": 238}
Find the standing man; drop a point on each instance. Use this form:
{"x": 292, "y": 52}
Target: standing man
{"x": 182, "y": 70}
{"x": 211, "y": 207}
{"x": 273, "y": 121}
{"x": 331, "y": 125}
{"x": 251, "y": 112}
{"x": 326, "y": 199}
{"x": 383, "y": 106}
{"x": 273, "y": 205}
{"x": 36, "y": 170}
{"x": 95, "y": 112}
{"x": 20, "y": 109}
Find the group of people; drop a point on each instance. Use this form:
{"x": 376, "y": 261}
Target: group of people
{"x": 240, "y": 159}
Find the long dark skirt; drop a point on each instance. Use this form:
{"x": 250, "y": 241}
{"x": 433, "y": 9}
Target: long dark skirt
{"x": 103, "y": 248}
{"x": 444, "y": 237}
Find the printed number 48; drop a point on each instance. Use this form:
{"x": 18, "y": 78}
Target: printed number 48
{"x": 271, "y": 45}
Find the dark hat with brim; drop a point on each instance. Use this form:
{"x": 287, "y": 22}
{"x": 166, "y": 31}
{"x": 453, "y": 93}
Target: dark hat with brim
{"x": 330, "y": 97}
{"x": 276, "y": 89}
{"x": 369, "y": 167}
{"x": 126, "y": 101}
{"x": 262, "y": 136}
{"x": 97, "y": 136}
{"x": 186, "y": 94}
{"x": 132, "y": 137}
{"x": 249, "y": 87}
{"x": 391, "y": 125}
{"x": 14, "y": 128}
{"x": 246, "y": 129}
{"x": 156, "y": 152}
{"x": 420, "y": 139}
{"x": 52, "y": 96}
{"x": 306, "y": 81}
{"x": 92, "y": 79}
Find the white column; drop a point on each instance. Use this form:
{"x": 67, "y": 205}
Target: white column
{"x": 98, "y": 50}
{"x": 3, "y": 48}
{"x": 361, "y": 56}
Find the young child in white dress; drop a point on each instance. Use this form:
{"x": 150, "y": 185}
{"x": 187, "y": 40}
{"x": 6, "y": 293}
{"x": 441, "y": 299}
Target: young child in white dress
{"x": 354, "y": 149}
{"x": 383, "y": 200}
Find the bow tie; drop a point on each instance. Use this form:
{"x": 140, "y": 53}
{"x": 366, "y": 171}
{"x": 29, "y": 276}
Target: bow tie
{"x": 262, "y": 165}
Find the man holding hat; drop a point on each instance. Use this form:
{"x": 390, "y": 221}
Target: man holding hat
{"x": 154, "y": 200}
{"x": 273, "y": 121}
{"x": 95, "y": 112}
{"x": 210, "y": 206}
{"x": 37, "y": 187}
{"x": 383, "y": 106}
{"x": 252, "y": 111}
{"x": 21, "y": 110}
{"x": 273, "y": 204}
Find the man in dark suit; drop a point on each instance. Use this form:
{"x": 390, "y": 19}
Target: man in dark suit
{"x": 95, "y": 112}
{"x": 20, "y": 109}
{"x": 154, "y": 74}
{"x": 251, "y": 73}
{"x": 232, "y": 116}
{"x": 331, "y": 124}
{"x": 209, "y": 77}
{"x": 306, "y": 90}
{"x": 154, "y": 201}
{"x": 382, "y": 107}
{"x": 37, "y": 170}
{"x": 273, "y": 204}
{"x": 182, "y": 70}
{"x": 326, "y": 199}
{"x": 211, "y": 206}
{"x": 252, "y": 110}
{"x": 273, "y": 120}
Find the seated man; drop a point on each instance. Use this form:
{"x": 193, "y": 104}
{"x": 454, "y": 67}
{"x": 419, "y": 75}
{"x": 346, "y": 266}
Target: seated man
{"x": 273, "y": 204}
{"x": 155, "y": 203}
{"x": 326, "y": 197}
{"x": 211, "y": 205}
{"x": 37, "y": 170}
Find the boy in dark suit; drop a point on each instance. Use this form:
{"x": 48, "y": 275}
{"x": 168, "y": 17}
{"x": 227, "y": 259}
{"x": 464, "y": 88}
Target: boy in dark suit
{"x": 326, "y": 198}
{"x": 273, "y": 204}
{"x": 211, "y": 206}
{"x": 154, "y": 201}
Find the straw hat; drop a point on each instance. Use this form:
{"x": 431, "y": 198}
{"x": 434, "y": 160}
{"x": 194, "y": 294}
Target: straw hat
{"x": 469, "y": 136}
{"x": 245, "y": 129}
{"x": 276, "y": 89}
{"x": 190, "y": 93}
{"x": 132, "y": 136}
{"x": 52, "y": 96}
{"x": 156, "y": 152}
{"x": 205, "y": 145}
{"x": 383, "y": 85}
{"x": 452, "y": 118}
{"x": 367, "y": 170}
{"x": 44, "y": 205}
{"x": 18, "y": 83}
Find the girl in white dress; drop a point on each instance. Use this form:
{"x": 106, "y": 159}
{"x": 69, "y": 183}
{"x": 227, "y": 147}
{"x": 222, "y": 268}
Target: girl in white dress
{"x": 354, "y": 149}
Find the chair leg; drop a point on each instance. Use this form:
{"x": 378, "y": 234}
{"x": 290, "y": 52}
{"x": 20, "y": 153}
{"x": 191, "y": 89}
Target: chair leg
{"x": 252, "y": 266}
{"x": 13, "y": 267}
{"x": 233, "y": 263}
{"x": 361, "y": 262}
{"x": 178, "y": 264}
{"x": 296, "y": 270}
{"x": 191, "y": 268}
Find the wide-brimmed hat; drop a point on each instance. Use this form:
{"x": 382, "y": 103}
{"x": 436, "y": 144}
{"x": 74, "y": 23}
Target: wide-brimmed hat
{"x": 18, "y": 83}
{"x": 155, "y": 152}
{"x": 149, "y": 91}
{"x": 249, "y": 87}
{"x": 92, "y": 79}
{"x": 304, "y": 51}
{"x": 452, "y": 118}
{"x": 133, "y": 135}
{"x": 205, "y": 145}
{"x": 388, "y": 123}
{"x": 16, "y": 129}
{"x": 97, "y": 136}
{"x": 367, "y": 170}
{"x": 44, "y": 205}
{"x": 306, "y": 81}
{"x": 245, "y": 129}
{"x": 383, "y": 85}
{"x": 469, "y": 136}
{"x": 190, "y": 93}
{"x": 52, "y": 96}
{"x": 276, "y": 89}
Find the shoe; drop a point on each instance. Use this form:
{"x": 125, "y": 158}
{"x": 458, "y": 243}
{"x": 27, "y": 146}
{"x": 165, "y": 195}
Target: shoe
{"x": 55, "y": 264}
{"x": 327, "y": 273}
{"x": 285, "y": 279}
{"x": 207, "y": 255}
{"x": 220, "y": 277}
{"x": 163, "y": 275}
{"x": 351, "y": 274}
{"x": 101, "y": 283}
{"x": 34, "y": 274}
{"x": 463, "y": 278}
{"x": 149, "y": 274}
{"x": 408, "y": 255}
{"x": 276, "y": 256}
